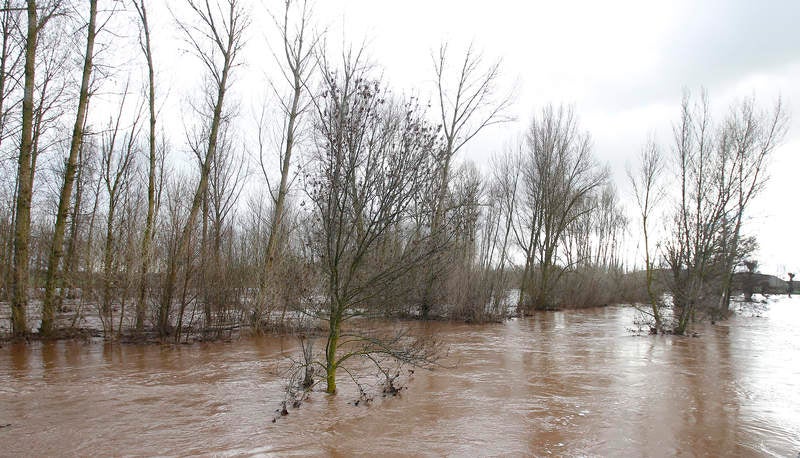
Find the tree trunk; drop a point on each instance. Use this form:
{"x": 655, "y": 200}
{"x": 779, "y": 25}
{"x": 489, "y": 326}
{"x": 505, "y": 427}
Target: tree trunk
{"x": 649, "y": 278}
{"x": 72, "y": 245}
{"x": 147, "y": 238}
{"x": 283, "y": 188}
{"x": 22, "y": 229}
{"x": 57, "y": 248}
{"x": 208, "y": 289}
{"x": 330, "y": 350}
{"x": 108, "y": 271}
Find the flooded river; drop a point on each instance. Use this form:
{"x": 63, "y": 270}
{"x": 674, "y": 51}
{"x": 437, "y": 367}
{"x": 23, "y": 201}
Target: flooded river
{"x": 559, "y": 383}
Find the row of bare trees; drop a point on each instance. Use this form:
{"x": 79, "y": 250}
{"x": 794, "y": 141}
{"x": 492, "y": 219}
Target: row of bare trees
{"x": 44, "y": 26}
{"x": 141, "y": 241}
{"x": 359, "y": 205}
{"x": 362, "y": 207}
{"x": 92, "y": 238}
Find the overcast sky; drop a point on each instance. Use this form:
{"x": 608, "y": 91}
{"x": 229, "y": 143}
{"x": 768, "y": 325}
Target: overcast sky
{"x": 622, "y": 64}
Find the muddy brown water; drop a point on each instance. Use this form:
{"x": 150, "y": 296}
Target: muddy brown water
{"x": 557, "y": 384}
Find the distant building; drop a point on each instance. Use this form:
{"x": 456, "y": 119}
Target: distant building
{"x": 762, "y": 283}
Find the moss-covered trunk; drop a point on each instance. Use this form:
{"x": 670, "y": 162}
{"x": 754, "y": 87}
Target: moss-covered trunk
{"x": 331, "y": 363}
{"x": 22, "y": 229}
{"x": 57, "y": 248}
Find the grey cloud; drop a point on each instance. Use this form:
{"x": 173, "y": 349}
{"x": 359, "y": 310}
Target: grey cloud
{"x": 716, "y": 43}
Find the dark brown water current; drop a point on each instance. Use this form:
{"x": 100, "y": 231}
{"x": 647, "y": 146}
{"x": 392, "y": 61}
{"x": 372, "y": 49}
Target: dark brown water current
{"x": 557, "y": 384}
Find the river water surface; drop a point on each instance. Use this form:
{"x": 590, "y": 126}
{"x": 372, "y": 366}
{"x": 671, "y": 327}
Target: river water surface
{"x": 556, "y": 384}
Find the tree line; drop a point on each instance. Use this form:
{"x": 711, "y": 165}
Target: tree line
{"x": 354, "y": 200}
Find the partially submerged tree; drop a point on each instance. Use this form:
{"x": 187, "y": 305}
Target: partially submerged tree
{"x": 117, "y": 158}
{"x": 372, "y": 156}
{"x": 689, "y": 250}
{"x": 504, "y": 192}
{"x": 38, "y": 15}
{"x": 746, "y": 141}
{"x": 11, "y": 78}
{"x": 559, "y": 174}
{"x": 468, "y": 102}
{"x": 57, "y": 245}
{"x": 22, "y": 229}
{"x": 226, "y": 182}
{"x": 720, "y": 170}
{"x": 645, "y": 180}
{"x": 216, "y": 39}
{"x": 153, "y": 163}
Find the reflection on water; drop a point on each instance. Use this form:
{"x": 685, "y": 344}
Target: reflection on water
{"x": 563, "y": 383}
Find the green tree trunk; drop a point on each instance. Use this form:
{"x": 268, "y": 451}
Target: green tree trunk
{"x": 330, "y": 350}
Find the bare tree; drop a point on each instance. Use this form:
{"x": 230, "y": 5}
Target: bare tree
{"x": 720, "y": 170}
{"x": 117, "y": 161}
{"x": 559, "y": 173}
{"x": 223, "y": 30}
{"x": 372, "y": 156}
{"x": 88, "y": 183}
{"x": 296, "y": 64}
{"x": 26, "y": 167}
{"x": 226, "y": 182}
{"x": 647, "y": 190}
{"x": 466, "y": 108}
{"x": 57, "y": 247}
{"x": 506, "y": 182}
{"x": 23, "y": 211}
{"x": 746, "y": 141}
{"x": 152, "y": 171}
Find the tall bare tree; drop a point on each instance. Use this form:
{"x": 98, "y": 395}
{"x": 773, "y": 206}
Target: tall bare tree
{"x": 57, "y": 247}
{"x": 152, "y": 170}
{"x": 466, "y": 108}
{"x": 468, "y": 102}
{"x": 720, "y": 169}
{"x": 559, "y": 173}
{"x": 226, "y": 182}
{"x": 296, "y": 64}
{"x": 117, "y": 158}
{"x": 506, "y": 183}
{"x": 222, "y": 30}
{"x": 647, "y": 190}
{"x": 26, "y": 166}
{"x": 11, "y": 62}
{"x": 748, "y": 137}
{"x": 19, "y": 301}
